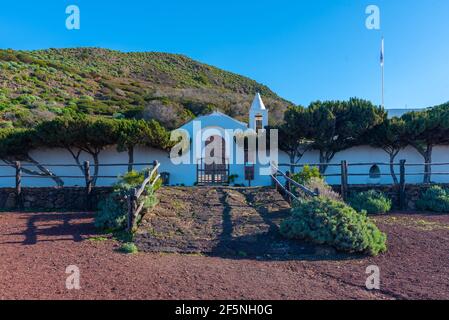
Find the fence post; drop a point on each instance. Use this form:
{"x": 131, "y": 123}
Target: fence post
{"x": 155, "y": 163}
{"x": 132, "y": 207}
{"x": 288, "y": 185}
{"x": 344, "y": 179}
{"x": 197, "y": 171}
{"x": 88, "y": 185}
{"x": 19, "y": 200}
{"x": 402, "y": 195}
{"x": 146, "y": 174}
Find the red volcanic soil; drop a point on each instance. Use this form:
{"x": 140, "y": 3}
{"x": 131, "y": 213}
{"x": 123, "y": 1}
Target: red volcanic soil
{"x": 36, "y": 248}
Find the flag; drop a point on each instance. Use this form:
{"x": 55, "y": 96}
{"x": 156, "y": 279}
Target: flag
{"x": 382, "y": 48}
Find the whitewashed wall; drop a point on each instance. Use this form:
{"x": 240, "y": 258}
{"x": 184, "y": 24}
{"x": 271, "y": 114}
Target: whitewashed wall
{"x": 367, "y": 154}
{"x": 186, "y": 174}
{"x": 60, "y": 156}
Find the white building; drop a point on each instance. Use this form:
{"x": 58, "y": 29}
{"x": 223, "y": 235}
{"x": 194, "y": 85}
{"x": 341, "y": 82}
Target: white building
{"x": 214, "y": 156}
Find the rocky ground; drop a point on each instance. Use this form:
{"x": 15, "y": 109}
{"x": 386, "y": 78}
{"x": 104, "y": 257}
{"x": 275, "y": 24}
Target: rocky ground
{"x": 36, "y": 248}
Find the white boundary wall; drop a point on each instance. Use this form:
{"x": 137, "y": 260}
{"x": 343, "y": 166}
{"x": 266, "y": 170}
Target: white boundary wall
{"x": 186, "y": 174}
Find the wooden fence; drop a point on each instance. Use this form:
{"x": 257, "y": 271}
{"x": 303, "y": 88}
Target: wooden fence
{"x": 290, "y": 185}
{"x": 134, "y": 208}
{"x": 132, "y": 198}
{"x": 344, "y": 173}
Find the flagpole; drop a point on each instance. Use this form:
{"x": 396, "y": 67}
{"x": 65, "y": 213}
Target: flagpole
{"x": 383, "y": 73}
{"x": 383, "y": 92}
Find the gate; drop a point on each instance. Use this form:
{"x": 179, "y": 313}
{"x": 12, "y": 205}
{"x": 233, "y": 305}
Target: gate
{"x": 212, "y": 174}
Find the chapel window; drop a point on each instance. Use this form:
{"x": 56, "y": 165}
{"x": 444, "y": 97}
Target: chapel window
{"x": 374, "y": 172}
{"x": 259, "y": 122}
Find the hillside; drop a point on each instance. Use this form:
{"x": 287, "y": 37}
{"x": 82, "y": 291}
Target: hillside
{"x": 38, "y": 85}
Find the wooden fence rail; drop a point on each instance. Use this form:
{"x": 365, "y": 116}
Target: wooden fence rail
{"x": 134, "y": 208}
{"x": 19, "y": 185}
{"x": 20, "y": 168}
{"x": 344, "y": 174}
{"x": 289, "y": 182}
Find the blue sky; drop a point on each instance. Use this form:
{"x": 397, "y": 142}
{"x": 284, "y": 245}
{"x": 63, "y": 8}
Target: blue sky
{"x": 302, "y": 49}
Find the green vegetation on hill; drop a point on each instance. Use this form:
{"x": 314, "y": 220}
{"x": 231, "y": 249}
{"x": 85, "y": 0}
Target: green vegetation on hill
{"x": 39, "y": 85}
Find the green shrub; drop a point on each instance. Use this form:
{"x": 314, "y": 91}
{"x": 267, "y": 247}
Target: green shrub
{"x": 136, "y": 178}
{"x": 132, "y": 178}
{"x": 372, "y": 201}
{"x": 434, "y": 199}
{"x": 6, "y": 124}
{"x": 118, "y": 115}
{"x": 334, "y": 223}
{"x": 325, "y": 190}
{"x": 129, "y": 248}
{"x": 27, "y": 100}
{"x": 311, "y": 178}
{"x": 232, "y": 178}
{"x": 112, "y": 213}
{"x": 307, "y": 174}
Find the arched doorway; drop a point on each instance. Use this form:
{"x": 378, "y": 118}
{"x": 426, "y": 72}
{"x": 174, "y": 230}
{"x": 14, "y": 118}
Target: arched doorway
{"x": 213, "y": 169}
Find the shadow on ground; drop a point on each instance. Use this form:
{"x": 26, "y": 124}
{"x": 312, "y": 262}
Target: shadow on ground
{"x": 235, "y": 223}
{"x": 52, "y": 227}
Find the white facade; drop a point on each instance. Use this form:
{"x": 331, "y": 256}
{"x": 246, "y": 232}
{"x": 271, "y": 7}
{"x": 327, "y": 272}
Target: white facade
{"x": 368, "y": 154}
{"x": 219, "y": 124}
{"x": 185, "y": 174}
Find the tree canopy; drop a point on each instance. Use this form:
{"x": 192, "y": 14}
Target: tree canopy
{"x": 292, "y": 135}
{"x": 80, "y": 135}
{"x": 132, "y": 133}
{"x": 391, "y": 136}
{"x": 426, "y": 129}
{"x": 16, "y": 144}
{"x": 326, "y": 126}
{"x": 338, "y": 125}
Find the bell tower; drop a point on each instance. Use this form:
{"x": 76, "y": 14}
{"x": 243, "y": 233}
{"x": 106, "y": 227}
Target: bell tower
{"x": 258, "y": 114}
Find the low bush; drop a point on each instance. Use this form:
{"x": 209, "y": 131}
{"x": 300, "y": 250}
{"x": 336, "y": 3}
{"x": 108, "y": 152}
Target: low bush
{"x": 325, "y": 221}
{"x": 311, "y": 178}
{"x": 129, "y": 248}
{"x": 307, "y": 174}
{"x": 434, "y": 199}
{"x": 325, "y": 190}
{"x": 112, "y": 213}
{"x": 372, "y": 201}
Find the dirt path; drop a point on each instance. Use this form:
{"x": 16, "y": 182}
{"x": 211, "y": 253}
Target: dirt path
{"x": 218, "y": 221}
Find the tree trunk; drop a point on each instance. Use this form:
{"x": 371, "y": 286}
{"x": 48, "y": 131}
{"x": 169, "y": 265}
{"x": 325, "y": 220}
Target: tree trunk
{"x": 59, "y": 182}
{"x": 325, "y": 158}
{"x": 44, "y": 172}
{"x": 292, "y": 162}
{"x": 428, "y": 164}
{"x": 76, "y": 157}
{"x": 96, "y": 169}
{"x": 130, "y": 158}
{"x": 393, "y": 174}
{"x": 426, "y": 153}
